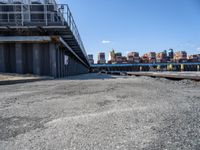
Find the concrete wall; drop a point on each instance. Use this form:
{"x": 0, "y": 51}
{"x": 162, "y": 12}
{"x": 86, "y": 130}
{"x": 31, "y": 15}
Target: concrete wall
{"x": 39, "y": 59}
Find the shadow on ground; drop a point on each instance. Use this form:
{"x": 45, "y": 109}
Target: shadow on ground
{"x": 90, "y": 76}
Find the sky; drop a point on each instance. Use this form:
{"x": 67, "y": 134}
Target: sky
{"x": 137, "y": 25}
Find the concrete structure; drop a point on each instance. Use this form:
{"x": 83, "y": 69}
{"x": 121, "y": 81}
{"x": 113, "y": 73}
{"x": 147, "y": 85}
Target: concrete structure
{"x": 193, "y": 66}
{"x": 40, "y": 38}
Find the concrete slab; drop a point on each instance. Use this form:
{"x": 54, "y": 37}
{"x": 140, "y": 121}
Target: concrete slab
{"x": 172, "y": 75}
{"x": 7, "y": 79}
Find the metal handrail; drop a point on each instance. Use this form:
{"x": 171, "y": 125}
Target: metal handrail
{"x": 74, "y": 29}
{"x": 60, "y": 10}
{"x": 28, "y": 1}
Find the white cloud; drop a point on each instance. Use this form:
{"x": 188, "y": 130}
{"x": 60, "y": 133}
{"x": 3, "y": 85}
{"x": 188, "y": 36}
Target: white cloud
{"x": 198, "y": 48}
{"x": 106, "y": 42}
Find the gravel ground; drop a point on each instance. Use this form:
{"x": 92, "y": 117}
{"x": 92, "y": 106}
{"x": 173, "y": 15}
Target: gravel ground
{"x": 100, "y": 112}
{"x": 13, "y": 76}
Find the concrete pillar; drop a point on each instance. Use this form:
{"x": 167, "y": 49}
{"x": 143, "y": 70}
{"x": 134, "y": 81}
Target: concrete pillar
{"x": 182, "y": 67}
{"x": 170, "y": 67}
{"x": 141, "y": 68}
{"x": 19, "y": 58}
{"x": 61, "y": 63}
{"x": 53, "y": 60}
{"x": 2, "y": 58}
{"x": 198, "y": 67}
{"x": 58, "y": 63}
{"x": 36, "y": 59}
{"x": 158, "y": 68}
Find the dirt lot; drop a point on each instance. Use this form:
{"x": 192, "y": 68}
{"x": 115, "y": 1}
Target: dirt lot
{"x": 100, "y": 112}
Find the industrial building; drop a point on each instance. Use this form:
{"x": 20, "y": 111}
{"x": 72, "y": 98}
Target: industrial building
{"x": 40, "y": 37}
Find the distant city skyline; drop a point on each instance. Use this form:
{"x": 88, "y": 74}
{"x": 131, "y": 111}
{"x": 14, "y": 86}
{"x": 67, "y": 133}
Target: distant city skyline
{"x": 109, "y": 57}
{"x": 149, "y": 57}
{"x": 139, "y": 25}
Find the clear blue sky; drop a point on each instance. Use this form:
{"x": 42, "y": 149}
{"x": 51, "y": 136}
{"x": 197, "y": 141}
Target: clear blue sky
{"x": 137, "y": 25}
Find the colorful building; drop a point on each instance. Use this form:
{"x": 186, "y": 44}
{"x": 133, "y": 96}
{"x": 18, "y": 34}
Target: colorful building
{"x": 161, "y": 57}
{"x": 180, "y": 56}
{"x": 101, "y": 58}
{"x": 133, "y": 57}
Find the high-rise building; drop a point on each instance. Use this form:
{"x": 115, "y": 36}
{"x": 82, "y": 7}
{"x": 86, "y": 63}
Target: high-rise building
{"x": 198, "y": 55}
{"x": 161, "y": 57}
{"x": 193, "y": 58}
{"x": 118, "y": 57}
{"x": 170, "y": 55}
{"x": 111, "y": 56}
{"x": 180, "y": 56}
{"x": 124, "y": 59}
{"x": 152, "y": 57}
{"x": 118, "y": 54}
{"x": 101, "y": 58}
{"x": 91, "y": 59}
{"x": 133, "y": 57}
{"x": 145, "y": 58}
{"x": 149, "y": 57}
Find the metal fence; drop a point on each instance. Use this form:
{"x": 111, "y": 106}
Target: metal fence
{"x": 39, "y": 15}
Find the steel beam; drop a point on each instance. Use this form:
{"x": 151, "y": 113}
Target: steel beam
{"x": 36, "y": 59}
{"x": 53, "y": 59}
{"x": 2, "y": 58}
{"x": 19, "y": 58}
{"x": 25, "y": 39}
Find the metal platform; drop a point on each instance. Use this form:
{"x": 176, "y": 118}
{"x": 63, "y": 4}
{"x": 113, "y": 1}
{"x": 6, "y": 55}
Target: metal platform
{"x": 42, "y": 20}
